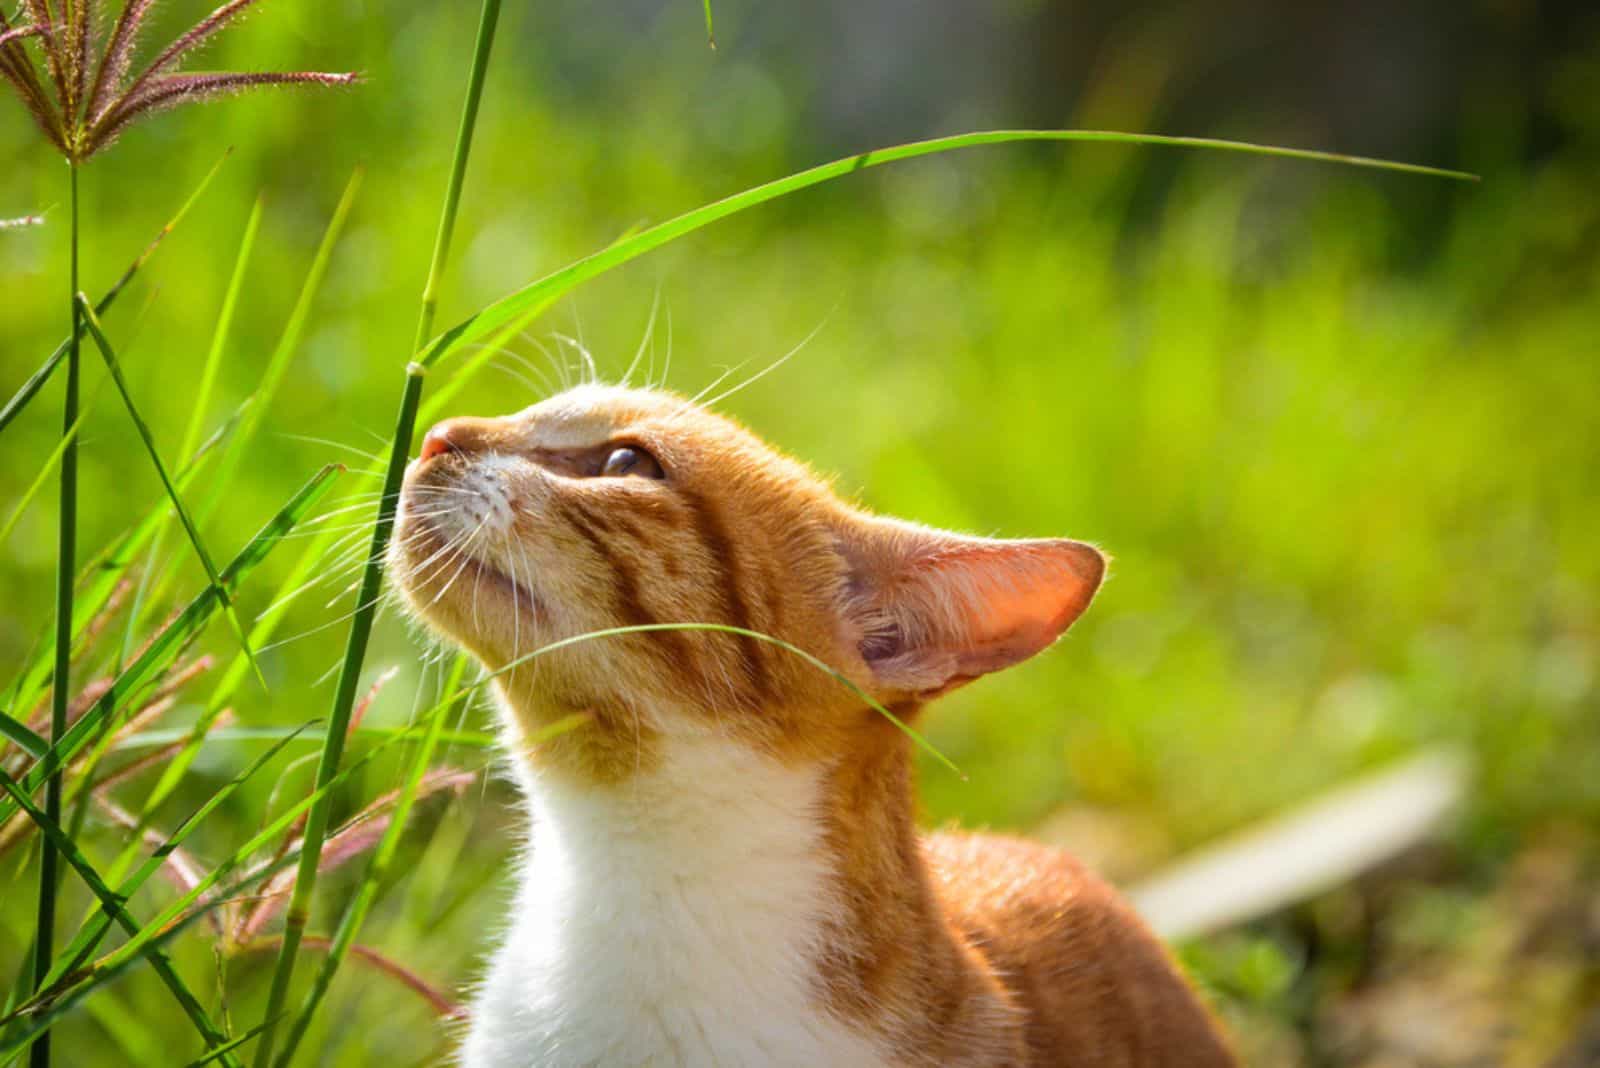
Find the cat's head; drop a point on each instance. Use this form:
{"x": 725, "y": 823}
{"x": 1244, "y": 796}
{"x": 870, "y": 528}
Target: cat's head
{"x": 606, "y": 507}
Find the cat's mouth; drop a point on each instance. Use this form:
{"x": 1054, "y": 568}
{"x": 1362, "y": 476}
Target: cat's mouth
{"x": 451, "y": 569}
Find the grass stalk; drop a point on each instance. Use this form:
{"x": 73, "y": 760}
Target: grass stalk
{"x": 299, "y": 911}
{"x": 66, "y": 567}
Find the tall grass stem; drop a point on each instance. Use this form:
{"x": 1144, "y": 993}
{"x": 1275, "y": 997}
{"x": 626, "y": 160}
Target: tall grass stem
{"x": 298, "y": 914}
{"x": 66, "y": 568}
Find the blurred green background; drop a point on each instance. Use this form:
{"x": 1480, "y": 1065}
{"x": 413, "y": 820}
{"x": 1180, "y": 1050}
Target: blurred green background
{"x": 1340, "y": 430}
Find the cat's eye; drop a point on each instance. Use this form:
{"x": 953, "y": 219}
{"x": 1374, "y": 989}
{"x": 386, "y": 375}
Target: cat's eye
{"x": 630, "y": 460}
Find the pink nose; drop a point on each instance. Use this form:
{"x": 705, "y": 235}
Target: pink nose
{"x": 437, "y": 441}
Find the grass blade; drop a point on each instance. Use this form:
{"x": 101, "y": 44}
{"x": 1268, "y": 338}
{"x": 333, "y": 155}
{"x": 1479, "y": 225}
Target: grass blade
{"x": 100, "y": 578}
{"x": 44, "y": 472}
{"x": 110, "y": 357}
{"x": 18, "y": 734}
{"x": 476, "y": 326}
{"x": 112, "y": 905}
{"x": 188, "y": 623}
{"x": 40, "y": 1014}
{"x": 372, "y": 573}
{"x": 92, "y": 932}
{"x": 36, "y": 381}
{"x": 373, "y": 880}
{"x": 288, "y": 342}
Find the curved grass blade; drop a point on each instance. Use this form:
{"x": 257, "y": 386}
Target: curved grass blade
{"x": 166, "y": 645}
{"x": 46, "y": 470}
{"x": 17, "y": 732}
{"x": 89, "y": 937}
{"x": 288, "y": 343}
{"x": 41, "y": 1013}
{"x": 502, "y": 311}
{"x": 112, "y": 906}
{"x": 722, "y": 628}
{"x": 197, "y": 412}
{"x": 102, "y": 574}
{"x": 374, "y": 879}
{"x": 110, "y": 357}
{"x": 37, "y": 380}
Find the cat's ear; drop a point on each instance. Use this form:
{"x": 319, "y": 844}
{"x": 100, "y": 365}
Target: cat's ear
{"x": 930, "y": 610}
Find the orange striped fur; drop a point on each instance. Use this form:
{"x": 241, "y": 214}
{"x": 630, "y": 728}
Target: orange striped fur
{"x": 948, "y": 950}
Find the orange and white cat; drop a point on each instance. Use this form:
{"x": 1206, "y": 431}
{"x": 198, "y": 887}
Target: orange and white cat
{"x": 725, "y": 867}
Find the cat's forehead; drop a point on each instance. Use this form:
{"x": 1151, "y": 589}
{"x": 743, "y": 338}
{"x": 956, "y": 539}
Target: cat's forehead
{"x": 592, "y": 414}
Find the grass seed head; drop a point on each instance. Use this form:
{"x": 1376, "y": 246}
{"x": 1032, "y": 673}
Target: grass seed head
{"x": 86, "y": 96}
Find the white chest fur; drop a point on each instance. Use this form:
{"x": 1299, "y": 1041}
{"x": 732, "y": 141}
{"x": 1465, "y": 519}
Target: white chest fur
{"x": 671, "y": 920}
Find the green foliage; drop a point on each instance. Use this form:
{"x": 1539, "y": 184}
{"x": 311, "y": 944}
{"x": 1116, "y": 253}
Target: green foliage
{"x": 1346, "y": 465}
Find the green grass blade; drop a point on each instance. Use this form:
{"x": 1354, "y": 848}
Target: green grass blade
{"x": 219, "y": 336}
{"x": 110, "y": 357}
{"x": 18, "y": 734}
{"x": 242, "y": 1040}
{"x": 723, "y": 628}
{"x": 112, "y": 904}
{"x": 45, "y": 471}
{"x": 37, "y": 380}
{"x": 88, "y": 938}
{"x": 100, "y": 577}
{"x": 40, "y": 1014}
{"x": 491, "y": 318}
{"x": 173, "y": 637}
{"x": 374, "y": 878}
{"x": 711, "y": 32}
{"x": 288, "y": 343}
{"x": 372, "y": 573}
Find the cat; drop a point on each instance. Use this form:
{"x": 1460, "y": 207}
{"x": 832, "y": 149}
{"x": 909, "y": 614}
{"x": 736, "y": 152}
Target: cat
{"x": 724, "y": 866}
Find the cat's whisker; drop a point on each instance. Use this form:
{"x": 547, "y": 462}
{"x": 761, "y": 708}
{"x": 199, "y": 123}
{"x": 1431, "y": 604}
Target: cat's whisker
{"x": 773, "y": 366}
{"x": 363, "y": 453}
{"x": 646, "y": 340}
{"x": 585, "y": 357}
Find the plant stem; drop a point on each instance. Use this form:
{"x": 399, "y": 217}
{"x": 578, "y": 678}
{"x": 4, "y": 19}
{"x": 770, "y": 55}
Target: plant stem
{"x": 299, "y": 911}
{"x": 66, "y": 568}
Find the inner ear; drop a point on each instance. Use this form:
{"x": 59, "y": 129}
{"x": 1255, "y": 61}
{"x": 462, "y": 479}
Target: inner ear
{"x": 930, "y": 610}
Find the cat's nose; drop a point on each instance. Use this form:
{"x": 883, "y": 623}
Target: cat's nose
{"x": 438, "y": 441}
{"x": 466, "y": 435}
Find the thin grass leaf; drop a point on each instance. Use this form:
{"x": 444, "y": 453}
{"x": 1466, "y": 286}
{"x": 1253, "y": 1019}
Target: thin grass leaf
{"x": 102, "y": 576}
{"x": 476, "y": 326}
{"x": 89, "y": 936}
{"x": 242, "y": 1040}
{"x": 19, "y": 735}
{"x": 372, "y": 573}
{"x": 45, "y": 471}
{"x": 288, "y": 342}
{"x": 202, "y": 403}
{"x": 110, "y": 357}
{"x": 36, "y": 381}
{"x": 112, "y": 904}
{"x": 711, "y": 32}
{"x": 375, "y": 877}
{"x": 185, "y": 626}
{"x": 41, "y": 1012}
{"x": 443, "y": 1006}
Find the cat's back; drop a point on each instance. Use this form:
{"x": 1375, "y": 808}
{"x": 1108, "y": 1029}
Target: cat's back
{"x": 1097, "y": 987}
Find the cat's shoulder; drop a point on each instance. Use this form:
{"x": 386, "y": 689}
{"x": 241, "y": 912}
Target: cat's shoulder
{"x": 1089, "y": 973}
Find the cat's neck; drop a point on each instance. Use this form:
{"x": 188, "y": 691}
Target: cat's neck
{"x": 721, "y": 906}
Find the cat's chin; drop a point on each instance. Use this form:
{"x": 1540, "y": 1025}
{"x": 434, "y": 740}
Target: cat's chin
{"x": 470, "y": 599}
